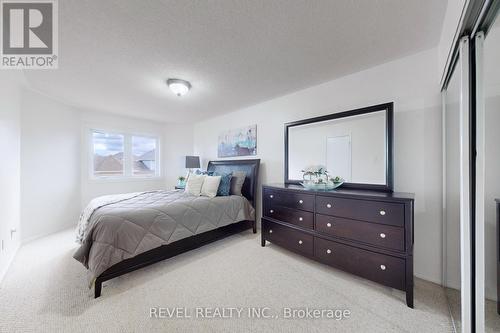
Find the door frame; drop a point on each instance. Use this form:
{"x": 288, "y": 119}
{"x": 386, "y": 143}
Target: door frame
{"x": 479, "y": 269}
{"x": 466, "y": 290}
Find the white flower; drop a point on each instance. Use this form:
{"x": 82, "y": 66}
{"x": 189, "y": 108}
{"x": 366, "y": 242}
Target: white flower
{"x": 314, "y": 168}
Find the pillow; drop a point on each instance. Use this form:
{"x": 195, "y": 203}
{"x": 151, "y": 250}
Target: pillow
{"x": 194, "y": 184}
{"x": 237, "y": 182}
{"x": 210, "y": 186}
{"x": 199, "y": 172}
{"x": 225, "y": 183}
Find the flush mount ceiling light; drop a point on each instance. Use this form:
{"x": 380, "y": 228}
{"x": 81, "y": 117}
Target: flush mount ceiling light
{"x": 178, "y": 86}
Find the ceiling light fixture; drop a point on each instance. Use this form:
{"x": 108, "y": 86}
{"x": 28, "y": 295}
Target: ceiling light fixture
{"x": 178, "y": 86}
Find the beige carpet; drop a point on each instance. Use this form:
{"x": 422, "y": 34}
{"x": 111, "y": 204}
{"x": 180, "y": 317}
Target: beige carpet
{"x": 45, "y": 291}
{"x": 492, "y": 318}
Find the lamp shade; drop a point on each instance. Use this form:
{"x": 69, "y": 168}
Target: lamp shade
{"x": 192, "y": 162}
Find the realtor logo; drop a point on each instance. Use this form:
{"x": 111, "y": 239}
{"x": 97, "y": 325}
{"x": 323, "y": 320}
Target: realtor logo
{"x": 29, "y": 34}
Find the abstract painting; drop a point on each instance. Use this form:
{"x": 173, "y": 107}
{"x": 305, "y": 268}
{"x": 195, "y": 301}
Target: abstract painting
{"x": 238, "y": 142}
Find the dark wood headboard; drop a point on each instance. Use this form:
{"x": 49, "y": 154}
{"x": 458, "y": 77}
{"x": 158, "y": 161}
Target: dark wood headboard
{"x": 251, "y": 167}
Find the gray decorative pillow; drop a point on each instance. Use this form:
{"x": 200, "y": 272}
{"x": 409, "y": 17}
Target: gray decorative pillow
{"x": 237, "y": 182}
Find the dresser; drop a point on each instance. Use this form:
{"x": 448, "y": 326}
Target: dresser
{"x": 366, "y": 233}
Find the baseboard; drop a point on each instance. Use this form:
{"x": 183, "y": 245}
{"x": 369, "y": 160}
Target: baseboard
{"x": 429, "y": 279}
{"x": 9, "y": 261}
{"x": 33, "y": 238}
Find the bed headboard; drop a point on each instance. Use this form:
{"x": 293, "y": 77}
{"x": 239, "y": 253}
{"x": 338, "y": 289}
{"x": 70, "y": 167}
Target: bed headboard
{"x": 251, "y": 167}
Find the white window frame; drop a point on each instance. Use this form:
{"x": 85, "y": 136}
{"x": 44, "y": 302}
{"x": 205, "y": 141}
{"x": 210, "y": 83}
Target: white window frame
{"x": 128, "y": 173}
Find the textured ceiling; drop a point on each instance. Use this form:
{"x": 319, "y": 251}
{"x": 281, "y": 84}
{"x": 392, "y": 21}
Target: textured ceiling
{"x": 115, "y": 55}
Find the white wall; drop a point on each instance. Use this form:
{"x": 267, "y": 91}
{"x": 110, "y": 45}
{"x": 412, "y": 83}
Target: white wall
{"x": 10, "y": 107}
{"x": 178, "y": 143}
{"x": 50, "y": 165}
{"x": 55, "y": 181}
{"x": 413, "y": 84}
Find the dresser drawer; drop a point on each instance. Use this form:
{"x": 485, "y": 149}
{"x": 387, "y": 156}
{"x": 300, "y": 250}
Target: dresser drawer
{"x": 290, "y": 199}
{"x": 387, "y": 270}
{"x": 289, "y": 215}
{"x": 371, "y": 233}
{"x": 371, "y": 211}
{"x": 287, "y": 237}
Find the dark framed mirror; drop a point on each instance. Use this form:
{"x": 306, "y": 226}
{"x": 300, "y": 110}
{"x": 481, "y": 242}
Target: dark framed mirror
{"x": 355, "y": 145}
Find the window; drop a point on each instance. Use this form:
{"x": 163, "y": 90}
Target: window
{"x": 108, "y": 154}
{"x": 144, "y": 154}
{"x": 116, "y": 155}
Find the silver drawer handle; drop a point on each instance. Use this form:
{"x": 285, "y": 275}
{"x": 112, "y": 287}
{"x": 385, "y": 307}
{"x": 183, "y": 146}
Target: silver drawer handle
{"x": 382, "y": 212}
{"x": 270, "y": 231}
{"x": 301, "y": 219}
{"x": 301, "y": 202}
{"x": 328, "y": 206}
{"x": 382, "y": 267}
{"x": 329, "y": 225}
{"x": 271, "y": 211}
{"x": 271, "y": 196}
{"x": 300, "y": 242}
{"x": 382, "y": 235}
{"x": 328, "y": 251}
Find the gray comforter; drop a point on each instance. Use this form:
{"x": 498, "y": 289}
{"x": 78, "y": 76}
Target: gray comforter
{"x": 124, "y": 229}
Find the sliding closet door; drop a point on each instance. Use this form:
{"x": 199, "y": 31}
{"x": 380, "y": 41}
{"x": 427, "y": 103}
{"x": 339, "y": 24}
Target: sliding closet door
{"x": 456, "y": 192}
{"x": 465, "y": 190}
{"x": 488, "y": 177}
{"x": 451, "y": 149}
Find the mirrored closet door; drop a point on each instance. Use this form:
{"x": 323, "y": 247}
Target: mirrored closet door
{"x": 456, "y": 194}
{"x": 487, "y": 80}
{"x": 451, "y": 185}
{"x": 471, "y": 170}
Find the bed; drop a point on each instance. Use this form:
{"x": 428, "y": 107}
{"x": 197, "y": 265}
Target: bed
{"x": 140, "y": 229}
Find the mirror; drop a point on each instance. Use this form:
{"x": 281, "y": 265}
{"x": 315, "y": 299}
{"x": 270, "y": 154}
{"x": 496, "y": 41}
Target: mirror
{"x": 489, "y": 175}
{"x": 452, "y": 257}
{"x": 354, "y": 145}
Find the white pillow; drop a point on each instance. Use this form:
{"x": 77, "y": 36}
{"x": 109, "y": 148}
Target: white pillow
{"x": 210, "y": 186}
{"x": 194, "y": 184}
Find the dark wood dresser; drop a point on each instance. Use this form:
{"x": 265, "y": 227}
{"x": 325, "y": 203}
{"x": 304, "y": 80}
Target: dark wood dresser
{"x": 366, "y": 233}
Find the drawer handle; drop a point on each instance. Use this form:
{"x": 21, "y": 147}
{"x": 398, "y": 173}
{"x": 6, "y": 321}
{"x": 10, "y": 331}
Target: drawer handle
{"x": 270, "y": 231}
{"x": 328, "y": 251}
{"x": 382, "y": 267}
{"x": 329, "y": 225}
{"x": 328, "y": 206}
{"x": 271, "y": 211}
{"x": 382, "y": 212}
{"x": 301, "y": 202}
{"x": 300, "y": 242}
{"x": 301, "y": 219}
{"x": 271, "y": 196}
{"x": 382, "y": 235}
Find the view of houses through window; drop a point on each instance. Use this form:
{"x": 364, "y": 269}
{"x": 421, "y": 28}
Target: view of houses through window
{"x": 116, "y": 155}
{"x": 144, "y": 155}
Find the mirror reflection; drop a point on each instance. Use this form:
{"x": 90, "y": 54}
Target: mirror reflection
{"x": 452, "y": 258}
{"x": 352, "y": 148}
{"x": 491, "y": 191}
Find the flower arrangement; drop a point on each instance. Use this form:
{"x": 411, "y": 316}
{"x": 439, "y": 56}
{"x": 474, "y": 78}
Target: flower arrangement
{"x": 317, "y": 177}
